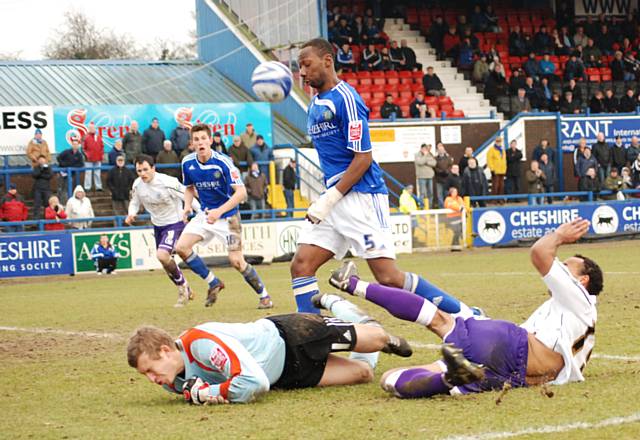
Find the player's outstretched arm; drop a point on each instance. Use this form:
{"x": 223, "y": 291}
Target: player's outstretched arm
{"x": 544, "y": 251}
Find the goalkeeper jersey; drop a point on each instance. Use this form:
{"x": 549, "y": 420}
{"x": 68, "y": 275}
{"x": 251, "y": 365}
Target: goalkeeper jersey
{"x": 238, "y": 361}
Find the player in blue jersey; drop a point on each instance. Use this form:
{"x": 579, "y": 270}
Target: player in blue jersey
{"x": 354, "y": 211}
{"x": 220, "y": 189}
{"x": 221, "y": 363}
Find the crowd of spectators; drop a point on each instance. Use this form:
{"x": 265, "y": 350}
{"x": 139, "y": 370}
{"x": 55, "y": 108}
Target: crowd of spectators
{"x": 598, "y": 167}
{"x": 564, "y": 64}
{"x": 248, "y": 151}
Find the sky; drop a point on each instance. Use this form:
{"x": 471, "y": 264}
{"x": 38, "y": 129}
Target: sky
{"x": 26, "y": 25}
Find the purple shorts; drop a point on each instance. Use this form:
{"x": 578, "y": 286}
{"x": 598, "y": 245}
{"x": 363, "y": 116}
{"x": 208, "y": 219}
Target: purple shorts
{"x": 167, "y": 236}
{"x": 501, "y": 346}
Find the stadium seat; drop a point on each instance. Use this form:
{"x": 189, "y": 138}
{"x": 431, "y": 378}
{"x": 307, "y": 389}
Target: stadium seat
{"x": 605, "y": 77}
{"x": 404, "y": 88}
{"x": 417, "y": 75}
{"x": 366, "y": 88}
{"x": 406, "y": 94}
{"x": 417, "y": 88}
{"x": 379, "y": 95}
{"x": 364, "y": 74}
{"x": 352, "y": 82}
{"x": 375, "y": 114}
{"x": 366, "y": 96}
{"x": 391, "y": 74}
{"x": 405, "y": 110}
{"x": 457, "y": 114}
{"x": 431, "y": 100}
{"x": 447, "y": 108}
{"x": 444, "y": 100}
{"x": 377, "y": 88}
{"x": 404, "y": 74}
{"x": 393, "y": 81}
{"x": 382, "y": 81}
{"x": 377, "y": 74}
{"x": 594, "y": 78}
{"x": 406, "y": 80}
{"x": 365, "y": 81}
{"x": 404, "y": 101}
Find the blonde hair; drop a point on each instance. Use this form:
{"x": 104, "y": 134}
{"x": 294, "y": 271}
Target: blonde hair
{"x": 147, "y": 339}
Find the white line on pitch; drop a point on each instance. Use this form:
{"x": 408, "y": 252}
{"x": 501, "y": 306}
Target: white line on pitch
{"x": 610, "y": 357}
{"x": 61, "y": 332}
{"x": 506, "y": 274}
{"x": 551, "y": 429}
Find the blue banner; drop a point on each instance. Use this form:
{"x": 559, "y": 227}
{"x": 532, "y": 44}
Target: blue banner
{"x": 504, "y": 225}
{"x": 36, "y": 255}
{"x": 113, "y": 121}
{"x": 574, "y": 128}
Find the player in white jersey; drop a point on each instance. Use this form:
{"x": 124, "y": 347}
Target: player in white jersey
{"x": 552, "y": 346}
{"x": 221, "y": 363}
{"x": 162, "y": 197}
{"x": 354, "y": 211}
{"x": 220, "y": 189}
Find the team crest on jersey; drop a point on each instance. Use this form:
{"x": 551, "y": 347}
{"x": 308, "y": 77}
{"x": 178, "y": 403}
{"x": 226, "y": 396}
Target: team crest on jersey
{"x": 217, "y": 174}
{"x": 327, "y": 115}
{"x": 355, "y": 131}
{"x": 218, "y": 359}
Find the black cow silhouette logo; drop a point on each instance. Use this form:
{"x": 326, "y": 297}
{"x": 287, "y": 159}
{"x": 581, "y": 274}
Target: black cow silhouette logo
{"x": 605, "y": 221}
{"x": 491, "y": 227}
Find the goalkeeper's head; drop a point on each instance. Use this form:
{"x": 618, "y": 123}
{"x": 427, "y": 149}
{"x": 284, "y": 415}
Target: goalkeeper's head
{"x": 153, "y": 352}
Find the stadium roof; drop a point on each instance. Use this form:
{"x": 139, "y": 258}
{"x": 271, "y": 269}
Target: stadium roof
{"x": 95, "y": 82}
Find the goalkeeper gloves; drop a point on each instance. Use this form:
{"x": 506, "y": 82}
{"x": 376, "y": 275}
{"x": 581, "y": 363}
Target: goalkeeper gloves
{"x": 196, "y": 391}
{"x": 320, "y": 209}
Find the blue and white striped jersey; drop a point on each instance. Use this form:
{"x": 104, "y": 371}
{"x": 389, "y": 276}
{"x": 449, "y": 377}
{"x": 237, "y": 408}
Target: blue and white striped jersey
{"x": 338, "y": 126}
{"x": 213, "y": 179}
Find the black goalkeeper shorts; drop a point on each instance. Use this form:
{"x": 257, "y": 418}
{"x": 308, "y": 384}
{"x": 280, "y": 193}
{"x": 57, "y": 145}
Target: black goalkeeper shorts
{"x": 309, "y": 339}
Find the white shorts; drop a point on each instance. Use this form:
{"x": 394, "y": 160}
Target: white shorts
{"x": 227, "y": 230}
{"x": 359, "y": 221}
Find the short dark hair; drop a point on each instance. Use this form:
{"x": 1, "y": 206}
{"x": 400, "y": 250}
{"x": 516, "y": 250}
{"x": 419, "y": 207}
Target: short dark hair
{"x": 593, "y": 271}
{"x": 145, "y": 158}
{"x": 322, "y": 46}
{"x": 201, "y": 127}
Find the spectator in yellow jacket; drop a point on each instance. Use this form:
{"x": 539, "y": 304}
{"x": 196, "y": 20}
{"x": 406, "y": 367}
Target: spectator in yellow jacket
{"x": 407, "y": 202}
{"x": 497, "y": 163}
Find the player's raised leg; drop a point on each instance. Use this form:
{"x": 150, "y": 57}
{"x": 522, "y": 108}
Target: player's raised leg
{"x": 306, "y": 261}
{"x": 184, "y": 249}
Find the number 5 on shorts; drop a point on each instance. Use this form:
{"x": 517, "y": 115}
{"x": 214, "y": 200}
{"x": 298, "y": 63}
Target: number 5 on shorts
{"x": 368, "y": 242}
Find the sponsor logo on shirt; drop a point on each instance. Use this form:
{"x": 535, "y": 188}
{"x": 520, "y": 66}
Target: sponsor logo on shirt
{"x": 208, "y": 185}
{"x": 321, "y": 127}
{"x": 191, "y": 167}
{"x": 218, "y": 359}
{"x": 355, "y": 131}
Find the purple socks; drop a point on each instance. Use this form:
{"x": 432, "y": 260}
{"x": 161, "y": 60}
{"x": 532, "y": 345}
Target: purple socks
{"x": 419, "y": 382}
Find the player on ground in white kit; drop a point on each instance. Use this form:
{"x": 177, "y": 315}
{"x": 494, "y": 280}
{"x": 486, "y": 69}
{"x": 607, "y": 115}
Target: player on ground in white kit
{"x": 220, "y": 188}
{"x": 354, "y": 211}
{"x": 552, "y": 346}
{"x": 162, "y": 197}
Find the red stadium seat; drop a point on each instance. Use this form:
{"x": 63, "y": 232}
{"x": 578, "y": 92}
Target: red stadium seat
{"x": 349, "y": 75}
{"x": 377, "y": 74}
{"x": 406, "y": 94}
{"x": 457, "y": 114}
{"x": 404, "y": 101}
{"x": 364, "y": 74}
{"x": 594, "y": 78}
{"x": 379, "y": 95}
{"x": 404, "y": 74}
{"x": 365, "y": 81}
{"x": 379, "y": 81}
{"x": 447, "y": 108}
{"x": 417, "y": 88}
{"x": 364, "y": 88}
{"x": 393, "y": 81}
{"x": 377, "y": 88}
{"x": 404, "y": 88}
{"x": 405, "y": 111}
{"x": 444, "y": 100}
{"x": 406, "y": 80}
{"x": 366, "y": 96}
{"x": 417, "y": 75}
{"x": 375, "y": 114}
{"x": 605, "y": 77}
{"x": 391, "y": 74}
{"x": 431, "y": 100}
{"x": 352, "y": 82}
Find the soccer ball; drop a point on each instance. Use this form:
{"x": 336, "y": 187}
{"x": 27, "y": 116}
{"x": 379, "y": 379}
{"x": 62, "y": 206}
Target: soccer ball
{"x": 271, "y": 81}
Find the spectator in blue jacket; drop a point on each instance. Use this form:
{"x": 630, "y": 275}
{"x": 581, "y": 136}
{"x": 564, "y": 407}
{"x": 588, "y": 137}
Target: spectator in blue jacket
{"x": 547, "y": 68}
{"x": 344, "y": 59}
{"x": 69, "y": 158}
{"x": 116, "y": 152}
{"x": 262, "y": 153}
{"x": 531, "y": 67}
{"x": 585, "y": 162}
{"x": 105, "y": 256}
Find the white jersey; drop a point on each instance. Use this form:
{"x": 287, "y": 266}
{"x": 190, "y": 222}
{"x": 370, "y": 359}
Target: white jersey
{"x": 566, "y": 322}
{"x": 162, "y": 198}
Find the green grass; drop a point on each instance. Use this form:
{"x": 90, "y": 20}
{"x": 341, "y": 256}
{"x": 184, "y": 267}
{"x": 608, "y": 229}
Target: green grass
{"x": 66, "y": 386}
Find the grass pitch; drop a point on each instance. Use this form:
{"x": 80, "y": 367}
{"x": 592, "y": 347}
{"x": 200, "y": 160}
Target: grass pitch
{"x": 65, "y": 385}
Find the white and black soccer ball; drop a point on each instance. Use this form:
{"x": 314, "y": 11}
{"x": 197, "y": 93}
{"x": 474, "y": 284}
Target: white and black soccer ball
{"x": 271, "y": 81}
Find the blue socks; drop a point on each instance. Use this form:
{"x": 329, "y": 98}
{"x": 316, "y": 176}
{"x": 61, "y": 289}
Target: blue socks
{"x": 253, "y": 279}
{"x": 441, "y": 299}
{"x": 196, "y": 264}
{"x": 303, "y": 289}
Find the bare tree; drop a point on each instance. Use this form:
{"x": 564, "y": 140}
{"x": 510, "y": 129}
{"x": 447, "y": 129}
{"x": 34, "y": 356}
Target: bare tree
{"x": 80, "y": 39}
{"x": 11, "y": 56}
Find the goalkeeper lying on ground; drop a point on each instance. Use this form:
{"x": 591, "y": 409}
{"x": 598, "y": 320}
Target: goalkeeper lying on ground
{"x": 220, "y": 363}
